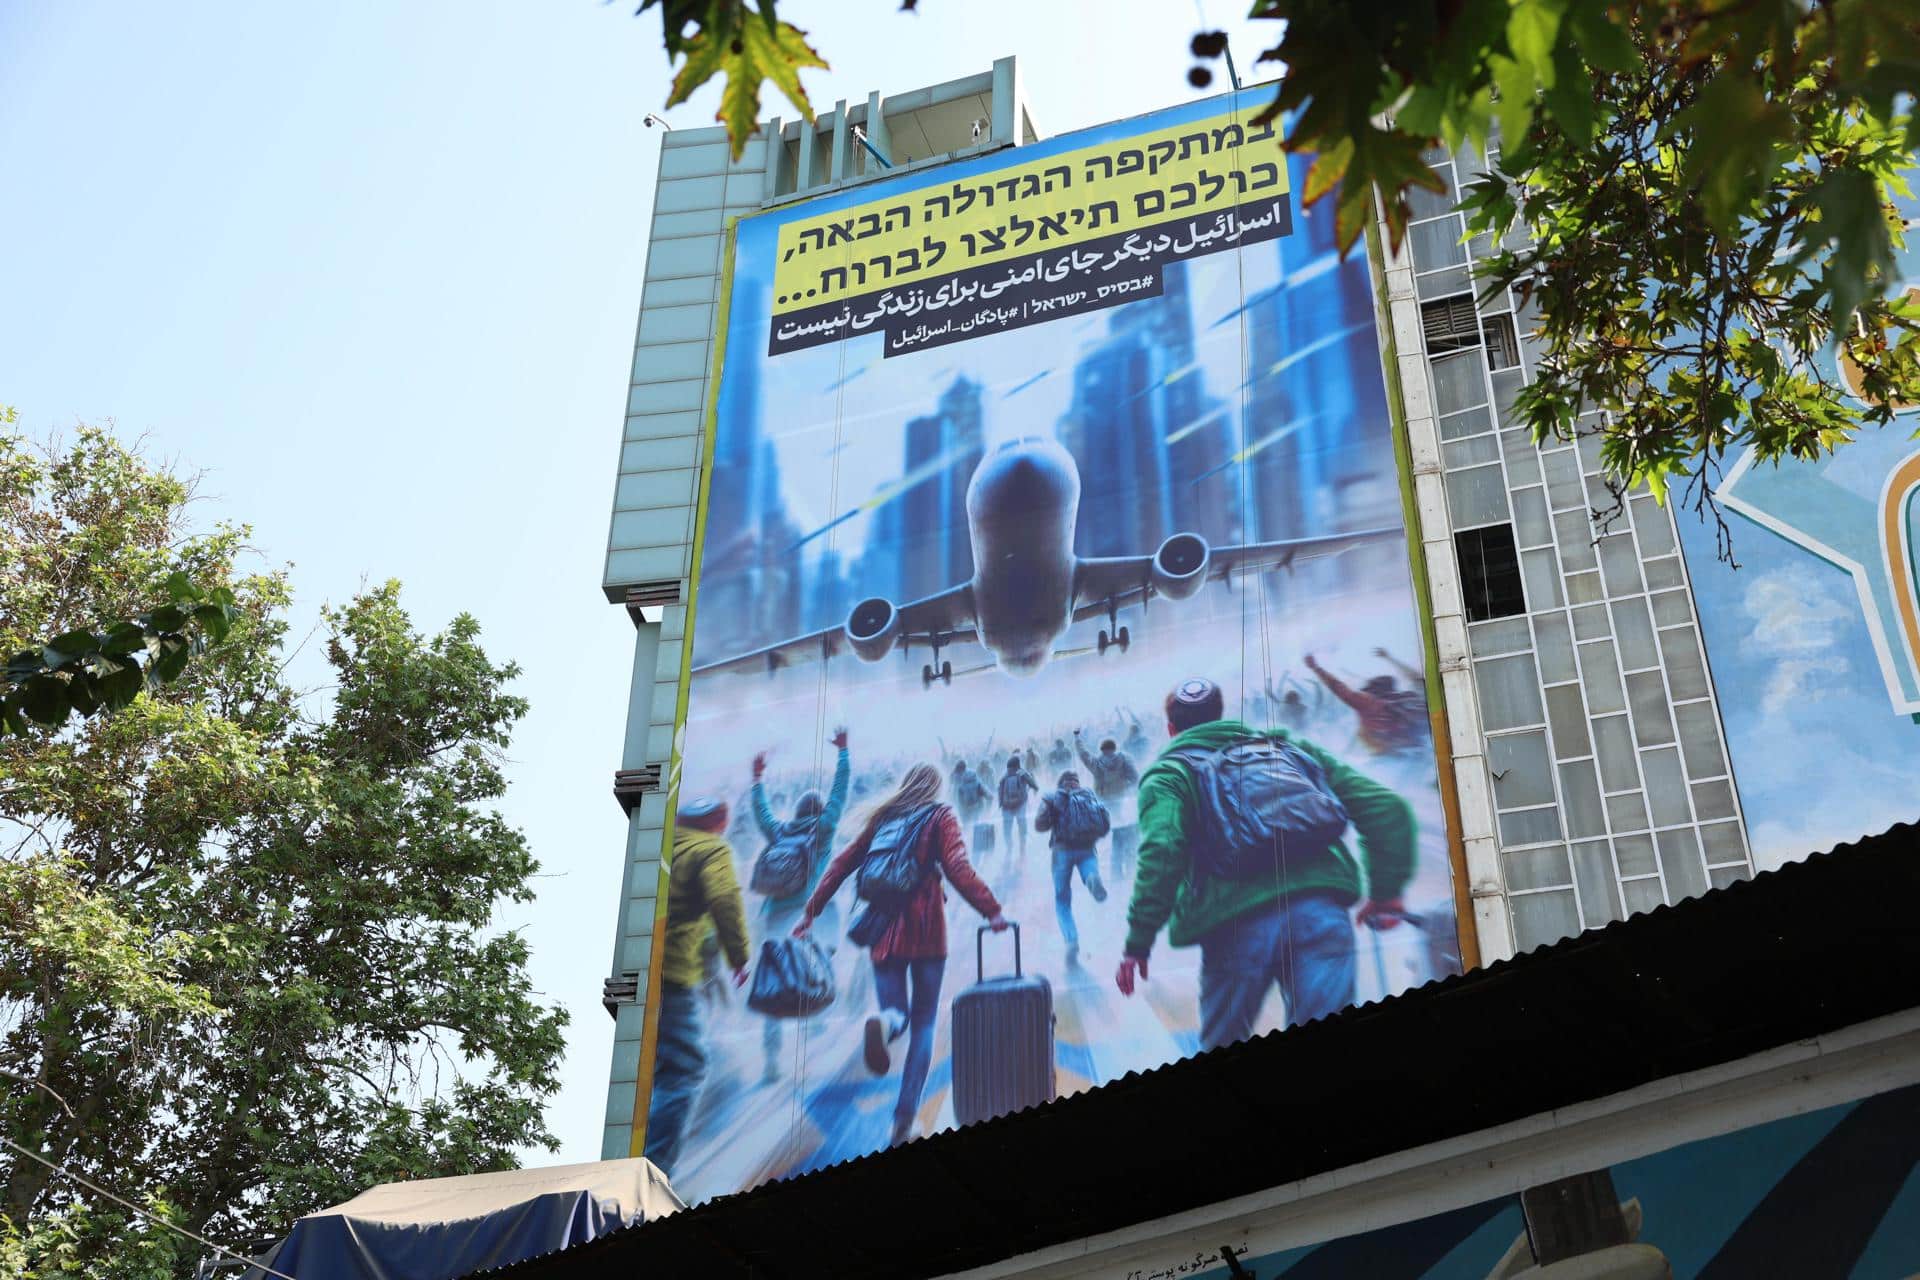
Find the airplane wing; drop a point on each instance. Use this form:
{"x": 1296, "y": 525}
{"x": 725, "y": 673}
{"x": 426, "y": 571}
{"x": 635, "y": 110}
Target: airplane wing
{"x": 947, "y": 616}
{"x": 1118, "y": 581}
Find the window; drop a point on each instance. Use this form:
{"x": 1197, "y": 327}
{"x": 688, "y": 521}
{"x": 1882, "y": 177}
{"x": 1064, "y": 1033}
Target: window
{"x": 1489, "y": 572}
{"x": 1522, "y": 773}
{"x": 1459, "y": 383}
{"x": 1503, "y": 348}
{"x": 1450, "y": 324}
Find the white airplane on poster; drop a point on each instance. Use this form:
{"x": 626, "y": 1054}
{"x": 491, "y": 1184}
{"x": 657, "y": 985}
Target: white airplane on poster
{"x": 1028, "y": 585}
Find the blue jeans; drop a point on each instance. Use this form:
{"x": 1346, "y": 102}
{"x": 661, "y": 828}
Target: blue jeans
{"x": 1012, "y": 820}
{"x": 890, "y": 982}
{"x": 1065, "y": 863}
{"x": 679, "y": 1069}
{"x": 1303, "y": 942}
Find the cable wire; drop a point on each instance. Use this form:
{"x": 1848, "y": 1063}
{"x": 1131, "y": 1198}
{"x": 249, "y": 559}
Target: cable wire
{"x": 154, "y": 1218}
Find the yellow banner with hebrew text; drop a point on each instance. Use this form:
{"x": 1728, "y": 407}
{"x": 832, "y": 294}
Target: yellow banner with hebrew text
{"x": 1174, "y": 174}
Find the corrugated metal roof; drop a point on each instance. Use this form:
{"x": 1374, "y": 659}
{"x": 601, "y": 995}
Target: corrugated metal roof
{"x": 1800, "y": 952}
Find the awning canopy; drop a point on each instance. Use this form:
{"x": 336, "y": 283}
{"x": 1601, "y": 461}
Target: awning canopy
{"x": 439, "y": 1228}
{"x": 1793, "y": 954}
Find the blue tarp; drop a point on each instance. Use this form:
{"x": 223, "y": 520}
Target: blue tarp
{"x": 441, "y": 1228}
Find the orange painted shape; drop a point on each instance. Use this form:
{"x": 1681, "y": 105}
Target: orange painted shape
{"x": 1901, "y": 487}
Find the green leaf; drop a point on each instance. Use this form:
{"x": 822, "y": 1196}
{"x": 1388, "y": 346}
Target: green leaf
{"x": 756, "y": 53}
{"x": 1351, "y": 213}
{"x": 65, "y": 649}
{"x": 123, "y": 637}
{"x": 1733, "y": 156}
{"x": 167, "y": 618}
{"x": 168, "y": 663}
{"x": 1514, "y": 108}
{"x": 83, "y": 692}
{"x": 1423, "y": 111}
{"x": 120, "y": 686}
{"x": 1532, "y": 29}
{"x": 215, "y": 619}
{"x": 1851, "y": 214}
{"x": 1602, "y": 42}
{"x": 1569, "y": 99}
{"x": 1326, "y": 171}
{"x": 44, "y": 699}
{"x": 180, "y": 588}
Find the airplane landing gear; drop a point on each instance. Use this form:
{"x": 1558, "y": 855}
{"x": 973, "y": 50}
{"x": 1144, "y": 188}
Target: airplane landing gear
{"x": 937, "y": 670}
{"x": 1114, "y": 636}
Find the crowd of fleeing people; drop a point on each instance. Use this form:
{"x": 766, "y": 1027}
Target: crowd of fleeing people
{"x": 1252, "y": 844}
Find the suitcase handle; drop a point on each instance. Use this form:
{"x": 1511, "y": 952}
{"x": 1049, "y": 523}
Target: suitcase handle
{"x": 980, "y": 951}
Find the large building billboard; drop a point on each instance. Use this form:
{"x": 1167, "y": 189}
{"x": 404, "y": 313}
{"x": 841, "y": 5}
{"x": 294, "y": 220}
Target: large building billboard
{"x": 1010, "y": 456}
{"x": 1815, "y": 636}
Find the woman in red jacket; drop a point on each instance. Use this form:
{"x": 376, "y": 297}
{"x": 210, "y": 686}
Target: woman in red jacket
{"x": 910, "y": 956}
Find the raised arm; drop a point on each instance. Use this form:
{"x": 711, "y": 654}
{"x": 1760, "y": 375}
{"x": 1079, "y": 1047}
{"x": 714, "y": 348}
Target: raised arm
{"x": 837, "y": 797}
{"x": 1359, "y": 701}
{"x": 1413, "y": 674}
{"x": 762, "y": 812}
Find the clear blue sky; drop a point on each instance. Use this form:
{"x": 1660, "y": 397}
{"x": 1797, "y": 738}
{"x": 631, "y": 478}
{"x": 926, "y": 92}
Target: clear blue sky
{"x": 374, "y": 268}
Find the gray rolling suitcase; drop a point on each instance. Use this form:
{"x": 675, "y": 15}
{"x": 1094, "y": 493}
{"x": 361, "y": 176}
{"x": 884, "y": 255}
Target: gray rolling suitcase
{"x": 982, "y": 837}
{"x": 1002, "y": 1041}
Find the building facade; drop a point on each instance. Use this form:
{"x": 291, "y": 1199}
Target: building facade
{"x": 1582, "y": 759}
{"x": 1587, "y": 745}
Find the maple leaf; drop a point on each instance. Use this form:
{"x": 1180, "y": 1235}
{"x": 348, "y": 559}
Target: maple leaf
{"x": 755, "y": 51}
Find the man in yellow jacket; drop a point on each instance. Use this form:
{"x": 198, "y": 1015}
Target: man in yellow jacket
{"x": 702, "y": 893}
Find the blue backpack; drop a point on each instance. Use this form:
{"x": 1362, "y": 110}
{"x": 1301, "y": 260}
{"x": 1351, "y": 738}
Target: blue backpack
{"x": 1080, "y": 819}
{"x": 784, "y": 867}
{"x": 892, "y": 869}
{"x": 1260, "y": 798}
{"x": 969, "y": 791}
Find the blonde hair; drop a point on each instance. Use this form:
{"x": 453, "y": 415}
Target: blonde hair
{"x": 921, "y": 786}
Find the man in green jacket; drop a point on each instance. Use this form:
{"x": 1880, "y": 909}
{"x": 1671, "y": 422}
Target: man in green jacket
{"x": 702, "y": 894}
{"x": 1289, "y": 927}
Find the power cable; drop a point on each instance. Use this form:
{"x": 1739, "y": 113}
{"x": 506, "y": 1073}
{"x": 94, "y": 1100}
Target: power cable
{"x": 154, "y": 1218}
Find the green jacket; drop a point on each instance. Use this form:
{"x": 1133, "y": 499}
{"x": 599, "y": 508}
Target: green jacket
{"x": 701, "y": 886}
{"x": 1165, "y": 889}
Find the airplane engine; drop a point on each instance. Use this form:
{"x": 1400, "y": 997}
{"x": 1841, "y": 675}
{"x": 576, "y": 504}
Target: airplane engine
{"x": 1180, "y": 565}
{"x": 872, "y": 627}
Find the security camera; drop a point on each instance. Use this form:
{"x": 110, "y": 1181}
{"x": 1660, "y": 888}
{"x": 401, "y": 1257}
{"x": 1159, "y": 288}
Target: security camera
{"x": 651, "y": 120}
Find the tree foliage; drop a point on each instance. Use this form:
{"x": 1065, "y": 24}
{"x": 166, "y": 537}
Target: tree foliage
{"x": 1695, "y": 196}
{"x": 1693, "y": 201}
{"x": 100, "y": 666}
{"x": 750, "y": 46}
{"x": 247, "y": 961}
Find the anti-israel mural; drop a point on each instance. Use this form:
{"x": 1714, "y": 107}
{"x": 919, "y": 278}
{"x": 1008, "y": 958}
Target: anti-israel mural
{"x": 1057, "y": 700}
